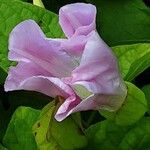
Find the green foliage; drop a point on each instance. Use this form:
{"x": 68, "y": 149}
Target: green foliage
{"x": 133, "y": 59}
{"x": 19, "y": 132}
{"x": 146, "y": 90}
{"x": 15, "y": 99}
{"x": 53, "y": 135}
{"x": 15, "y": 12}
{"x": 2, "y": 147}
{"x": 119, "y": 23}
{"x": 30, "y": 129}
{"x": 133, "y": 108}
{"x": 106, "y": 135}
{"x": 123, "y": 22}
{"x": 137, "y": 138}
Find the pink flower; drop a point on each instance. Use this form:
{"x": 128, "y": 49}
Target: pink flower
{"x": 82, "y": 68}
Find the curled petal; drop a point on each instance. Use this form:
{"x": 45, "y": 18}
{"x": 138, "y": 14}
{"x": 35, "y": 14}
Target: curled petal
{"x": 65, "y": 109}
{"x": 28, "y": 76}
{"x": 97, "y": 58}
{"x": 74, "y": 46}
{"x": 77, "y": 19}
{"x": 28, "y": 43}
{"x": 98, "y": 69}
{"x": 93, "y": 102}
{"x": 98, "y": 73}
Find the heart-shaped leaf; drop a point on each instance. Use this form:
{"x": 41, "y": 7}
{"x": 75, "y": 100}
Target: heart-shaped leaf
{"x": 19, "y": 132}
{"x": 50, "y": 134}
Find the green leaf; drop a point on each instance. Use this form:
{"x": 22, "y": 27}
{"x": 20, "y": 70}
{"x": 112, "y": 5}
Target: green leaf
{"x": 133, "y": 59}
{"x": 138, "y": 138}
{"x": 53, "y": 135}
{"x": 19, "y": 132}
{"x": 105, "y": 135}
{"x": 30, "y": 1}
{"x": 123, "y": 22}
{"x": 17, "y": 11}
{"x": 146, "y": 90}
{"x": 133, "y": 108}
{"x": 9, "y": 102}
{"x": 2, "y": 147}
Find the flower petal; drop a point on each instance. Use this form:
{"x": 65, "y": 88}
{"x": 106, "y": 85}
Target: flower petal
{"x": 77, "y": 19}
{"x": 28, "y": 43}
{"x": 97, "y": 58}
{"x": 98, "y": 69}
{"x": 98, "y": 73}
{"x": 29, "y": 76}
{"x": 64, "y": 110}
{"x": 74, "y": 46}
{"x": 94, "y": 102}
